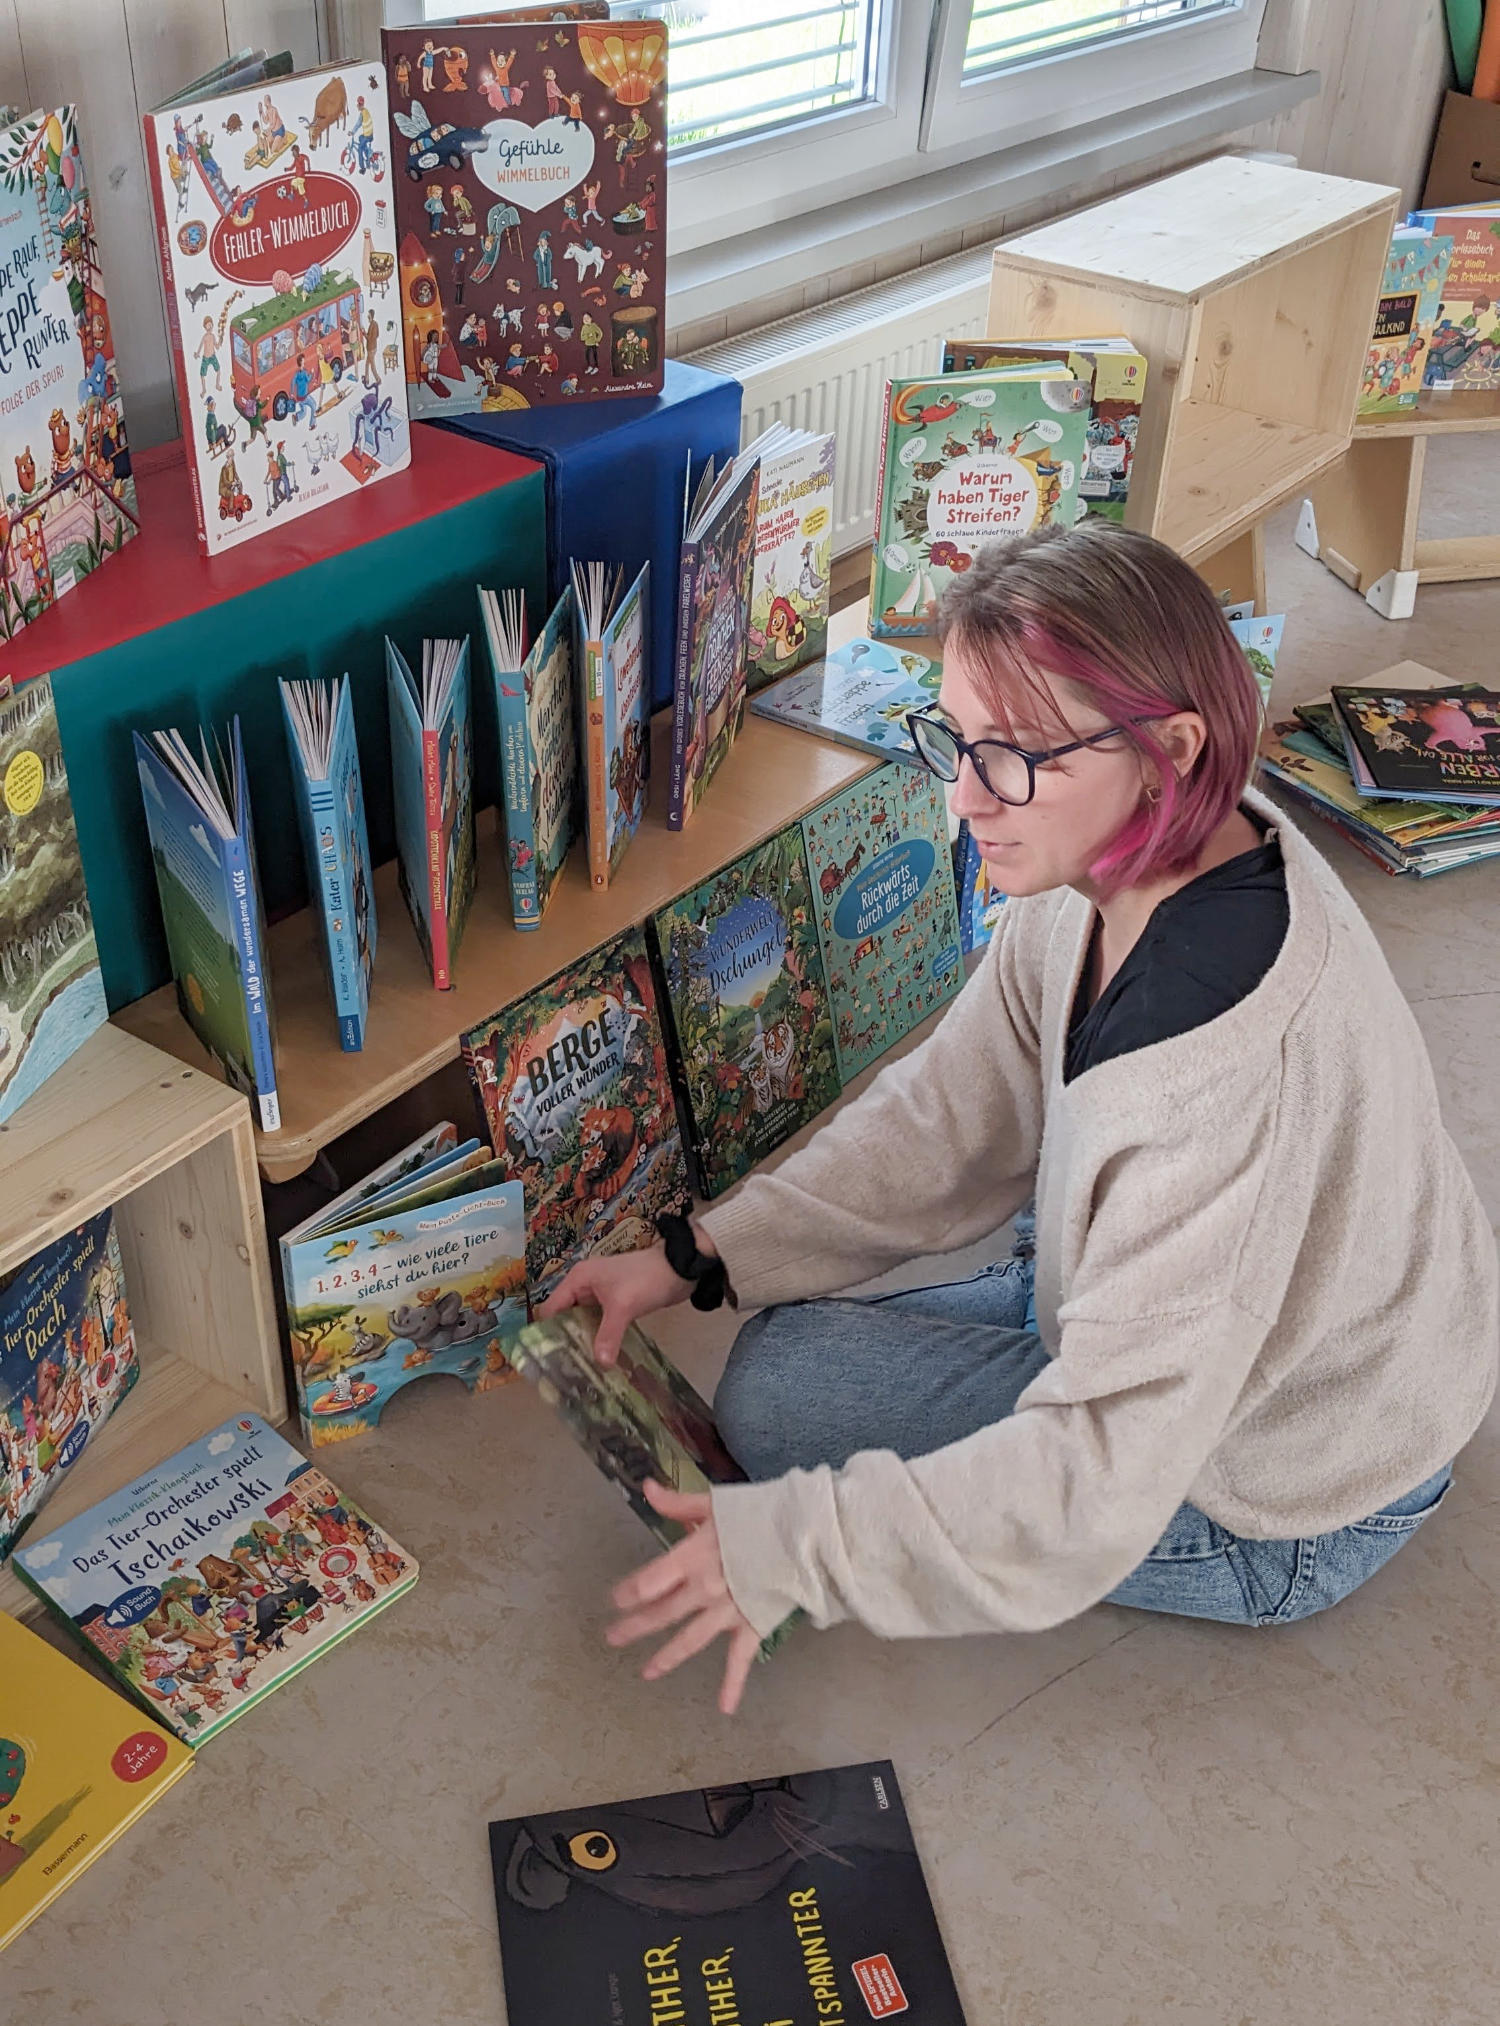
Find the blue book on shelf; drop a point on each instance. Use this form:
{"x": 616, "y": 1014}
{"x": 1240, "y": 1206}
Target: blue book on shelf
{"x": 535, "y": 709}
{"x": 433, "y": 793}
{"x": 614, "y": 689}
{"x": 858, "y": 696}
{"x": 335, "y": 842}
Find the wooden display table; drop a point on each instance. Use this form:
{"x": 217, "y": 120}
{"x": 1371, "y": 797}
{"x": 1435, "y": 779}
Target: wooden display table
{"x": 172, "y": 1151}
{"x": 771, "y": 777}
{"x": 1361, "y": 518}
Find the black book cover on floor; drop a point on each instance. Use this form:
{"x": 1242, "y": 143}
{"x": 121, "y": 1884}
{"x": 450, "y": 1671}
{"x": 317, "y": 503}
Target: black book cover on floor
{"x": 793, "y": 1899}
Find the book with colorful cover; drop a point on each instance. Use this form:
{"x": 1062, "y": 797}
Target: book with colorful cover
{"x": 577, "y": 1099}
{"x": 858, "y": 696}
{"x": 791, "y": 588}
{"x": 1416, "y": 270}
{"x": 213, "y": 1578}
{"x": 62, "y": 427}
{"x": 713, "y": 631}
{"x": 1115, "y": 374}
{"x": 882, "y": 872}
{"x": 752, "y": 1038}
{"x": 424, "y": 1274}
{"x": 967, "y": 457}
{"x": 278, "y": 254}
{"x": 979, "y": 899}
{"x": 335, "y": 842}
{"x": 432, "y": 784}
{"x": 530, "y": 185}
{"x": 786, "y": 1899}
{"x": 203, "y": 849}
{"x": 78, "y": 1766}
{"x": 51, "y": 987}
{"x": 67, "y": 1359}
{"x": 536, "y": 709}
{"x": 1415, "y": 742}
{"x": 1464, "y": 349}
{"x": 614, "y": 697}
{"x": 1260, "y": 636}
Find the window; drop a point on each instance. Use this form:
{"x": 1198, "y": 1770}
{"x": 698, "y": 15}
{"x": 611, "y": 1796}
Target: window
{"x": 1003, "y": 33}
{"x": 744, "y": 67}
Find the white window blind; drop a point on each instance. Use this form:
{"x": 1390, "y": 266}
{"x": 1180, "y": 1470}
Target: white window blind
{"x": 1004, "y": 33}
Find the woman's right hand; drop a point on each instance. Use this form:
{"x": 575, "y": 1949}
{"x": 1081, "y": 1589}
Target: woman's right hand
{"x": 622, "y": 1285}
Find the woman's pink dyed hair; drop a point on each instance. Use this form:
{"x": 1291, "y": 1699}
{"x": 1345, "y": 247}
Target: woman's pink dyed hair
{"x": 1133, "y": 632}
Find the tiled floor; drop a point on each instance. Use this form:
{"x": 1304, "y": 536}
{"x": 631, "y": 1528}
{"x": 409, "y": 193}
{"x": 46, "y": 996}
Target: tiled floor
{"x": 1126, "y": 1822}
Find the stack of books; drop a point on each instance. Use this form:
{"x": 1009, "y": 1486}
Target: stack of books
{"x": 1408, "y": 768}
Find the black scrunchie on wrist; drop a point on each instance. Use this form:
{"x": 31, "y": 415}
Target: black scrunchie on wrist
{"x": 711, "y": 1287}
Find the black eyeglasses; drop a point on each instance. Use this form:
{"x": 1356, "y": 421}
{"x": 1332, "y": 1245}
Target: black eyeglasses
{"x": 1009, "y": 772}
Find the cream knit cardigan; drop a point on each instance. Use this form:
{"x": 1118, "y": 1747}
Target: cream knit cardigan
{"x": 1264, "y": 1280}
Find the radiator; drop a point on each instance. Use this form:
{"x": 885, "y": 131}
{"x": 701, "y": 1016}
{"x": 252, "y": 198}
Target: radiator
{"x": 826, "y": 368}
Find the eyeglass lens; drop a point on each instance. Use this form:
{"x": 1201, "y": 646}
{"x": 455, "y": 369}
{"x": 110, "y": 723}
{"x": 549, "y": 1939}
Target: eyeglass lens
{"x": 1002, "y": 770}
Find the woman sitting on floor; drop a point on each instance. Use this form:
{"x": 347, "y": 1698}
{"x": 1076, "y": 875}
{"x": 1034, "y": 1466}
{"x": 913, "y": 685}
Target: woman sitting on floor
{"x": 1264, "y": 1317}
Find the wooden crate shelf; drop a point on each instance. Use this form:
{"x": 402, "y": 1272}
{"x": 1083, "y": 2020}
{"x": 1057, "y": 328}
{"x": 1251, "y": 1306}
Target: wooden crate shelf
{"x": 772, "y": 776}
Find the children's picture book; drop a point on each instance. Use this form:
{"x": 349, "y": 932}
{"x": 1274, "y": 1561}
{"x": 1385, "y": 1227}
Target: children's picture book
{"x": 1260, "y": 636}
{"x": 335, "y": 841}
{"x": 1115, "y": 374}
{"x": 212, "y": 1579}
{"x": 78, "y": 1766}
{"x": 277, "y": 241}
{"x": 577, "y": 1100}
{"x": 752, "y": 1034}
{"x": 979, "y": 899}
{"x": 432, "y": 785}
{"x": 790, "y": 591}
{"x": 62, "y": 427}
{"x": 713, "y": 620}
{"x": 67, "y": 1359}
{"x": 791, "y": 1899}
{"x": 203, "y": 849}
{"x": 615, "y": 700}
{"x": 860, "y": 696}
{"x": 422, "y": 1271}
{"x": 530, "y": 174}
{"x": 536, "y": 709}
{"x": 882, "y": 874}
{"x": 1464, "y": 350}
{"x": 1405, "y": 742}
{"x": 51, "y": 987}
{"x": 967, "y": 457}
{"x": 1416, "y": 270}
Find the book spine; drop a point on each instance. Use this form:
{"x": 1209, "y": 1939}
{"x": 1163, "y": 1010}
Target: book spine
{"x": 337, "y": 897}
{"x": 517, "y": 758}
{"x": 682, "y": 685}
{"x": 873, "y": 619}
{"x": 174, "y": 328}
{"x": 597, "y": 762}
{"x": 437, "y": 870}
{"x": 242, "y": 914}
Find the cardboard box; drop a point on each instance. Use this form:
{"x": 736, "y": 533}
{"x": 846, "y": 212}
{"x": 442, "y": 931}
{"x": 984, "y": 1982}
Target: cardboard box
{"x": 1465, "y": 165}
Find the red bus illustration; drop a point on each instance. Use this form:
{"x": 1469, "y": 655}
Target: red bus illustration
{"x": 265, "y": 342}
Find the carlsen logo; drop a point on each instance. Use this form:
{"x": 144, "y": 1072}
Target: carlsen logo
{"x": 882, "y": 1799}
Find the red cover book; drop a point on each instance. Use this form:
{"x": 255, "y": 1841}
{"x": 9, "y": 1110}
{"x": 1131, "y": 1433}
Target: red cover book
{"x": 529, "y": 172}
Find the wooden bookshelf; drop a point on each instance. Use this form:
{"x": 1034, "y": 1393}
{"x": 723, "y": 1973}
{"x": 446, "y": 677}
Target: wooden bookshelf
{"x": 772, "y": 776}
{"x": 171, "y": 1149}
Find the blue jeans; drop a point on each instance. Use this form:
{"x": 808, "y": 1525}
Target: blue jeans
{"x": 816, "y": 1382}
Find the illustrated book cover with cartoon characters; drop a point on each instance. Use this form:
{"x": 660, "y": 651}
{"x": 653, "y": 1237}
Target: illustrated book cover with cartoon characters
{"x": 67, "y": 1359}
{"x": 1444, "y": 747}
{"x": 210, "y": 1580}
{"x": 1416, "y": 270}
{"x": 790, "y": 591}
{"x": 277, "y": 237}
{"x": 1464, "y": 349}
{"x": 78, "y": 1766}
{"x": 51, "y": 987}
{"x": 713, "y": 629}
{"x": 536, "y": 708}
{"x": 423, "y": 1272}
{"x": 967, "y": 457}
{"x": 790, "y": 1899}
{"x": 882, "y": 875}
{"x": 614, "y": 704}
{"x": 530, "y": 170}
{"x": 859, "y": 696}
{"x": 752, "y": 1035}
{"x": 576, "y": 1095}
{"x": 979, "y": 899}
{"x": 432, "y": 786}
{"x": 67, "y": 493}
{"x": 335, "y": 842}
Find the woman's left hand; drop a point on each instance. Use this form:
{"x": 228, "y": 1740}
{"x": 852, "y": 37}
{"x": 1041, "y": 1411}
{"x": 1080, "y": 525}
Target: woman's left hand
{"x": 686, "y": 1584}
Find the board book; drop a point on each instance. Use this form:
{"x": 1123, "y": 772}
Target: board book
{"x": 335, "y": 842}
{"x": 1464, "y": 350}
{"x": 1259, "y": 634}
{"x": 967, "y": 457}
{"x": 614, "y": 699}
{"x": 67, "y": 1359}
{"x": 529, "y": 181}
{"x": 1406, "y": 742}
{"x": 577, "y": 1100}
{"x": 979, "y": 899}
{"x": 432, "y": 786}
{"x": 858, "y": 696}
{"x": 51, "y": 987}
{"x": 215, "y": 1577}
{"x": 779, "y": 1900}
{"x": 1115, "y": 374}
{"x": 278, "y": 255}
{"x": 792, "y": 582}
{"x": 203, "y": 849}
{"x": 713, "y": 622}
{"x": 78, "y": 1766}
{"x": 1416, "y": 270}
{"x": 62, "y": 427}
{"x": 536, "y": 709}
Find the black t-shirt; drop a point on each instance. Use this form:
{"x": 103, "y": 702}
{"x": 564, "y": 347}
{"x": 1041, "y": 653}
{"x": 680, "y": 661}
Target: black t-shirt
{"x": 1205, "y": 948}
